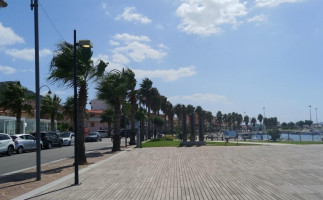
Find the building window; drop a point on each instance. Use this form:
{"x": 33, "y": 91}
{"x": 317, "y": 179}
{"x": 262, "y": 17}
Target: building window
{"x": 92, "y": 124}
{"x": 92, "y": 115}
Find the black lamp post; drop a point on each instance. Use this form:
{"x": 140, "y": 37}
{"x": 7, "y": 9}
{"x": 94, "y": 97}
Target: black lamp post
{"x": 84, "y": 44}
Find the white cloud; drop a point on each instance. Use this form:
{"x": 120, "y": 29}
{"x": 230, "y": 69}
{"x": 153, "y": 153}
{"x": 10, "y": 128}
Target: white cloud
{"x": 8, "y": 37}
{"x": 129, "y": 38}
{"x": 120, "y": 58}
{"x": 114, "y": 43}
{"x": 166, "y": 75}
{"x": 27, "y": 54}
{"x": 257, "y": 19}
{"x": 129, "y": 15}
{"x": 204, "y": 17}
{"x": 104, "y": 7}
{"x": 7, "y": 70}
{"x": 273, "y": 3}
{"x": 160, "y": 27}
{"x": 133, "y": 47}
{"x": 200, "y": 99}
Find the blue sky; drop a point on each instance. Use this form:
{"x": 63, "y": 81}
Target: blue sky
{"x": 227, "y": 55}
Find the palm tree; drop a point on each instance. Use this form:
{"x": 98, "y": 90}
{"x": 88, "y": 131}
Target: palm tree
{"x": 178, "y": 112}
{"x": 61, "y": 71}
{"x": 68, "y": 108}
{"x": 199, "y": 112}
{"x": 155, "y": 103}
{"x": 246, "y": 120}
{"x": 108, "y": 117}
{"x": 15, "y": 99}
{"x": 190, "y": 111}
{"x": 49, "y": 106}
{"x": 260, "y": 118}
{"x": 219, "y": 119}
{"x": 132, "y": 97}
{"x": 145, "y": 91}
{"x": 253, "y": 122}
{"x": 113, "y": 89}
{"x": 170, "y": 113}
{"x": 209, "y": 117}
{"x": 184, "y": 124}
{"x": 163, "y": 108}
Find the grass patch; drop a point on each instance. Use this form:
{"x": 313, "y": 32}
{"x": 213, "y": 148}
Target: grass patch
{"x": 161, "y": 143}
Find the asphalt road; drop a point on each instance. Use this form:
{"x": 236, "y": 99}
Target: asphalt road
{"x": 17, "y": 162}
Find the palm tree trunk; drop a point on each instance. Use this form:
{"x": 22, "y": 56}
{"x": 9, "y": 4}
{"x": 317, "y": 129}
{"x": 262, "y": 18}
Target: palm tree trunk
{"x": 81, "y": 104}
{"x": 52, "y": 123}
{"x": 18, "y": 123}
{"x": 184, "y": 126}
{"x": 133, "y": 124}
{"x": 117, "y": 117}
{"x": 148, "y": 136}
{"x": 201, "y": 137}
{"x": 192, "y": 139}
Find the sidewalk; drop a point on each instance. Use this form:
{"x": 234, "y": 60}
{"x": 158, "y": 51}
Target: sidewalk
{"x": 208, "y": 172}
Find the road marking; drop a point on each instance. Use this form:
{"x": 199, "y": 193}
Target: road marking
{"x": 10, "y": 173}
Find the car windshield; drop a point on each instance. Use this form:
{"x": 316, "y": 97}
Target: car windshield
{"x": 93, "y": 133}
{"x": 67, "y": 134}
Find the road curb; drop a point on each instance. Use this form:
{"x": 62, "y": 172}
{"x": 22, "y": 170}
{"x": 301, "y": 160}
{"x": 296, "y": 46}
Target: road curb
{"x": 61, "y": 180}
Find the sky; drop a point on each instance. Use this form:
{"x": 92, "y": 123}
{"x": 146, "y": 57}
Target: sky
{"x": 251, "y": 57}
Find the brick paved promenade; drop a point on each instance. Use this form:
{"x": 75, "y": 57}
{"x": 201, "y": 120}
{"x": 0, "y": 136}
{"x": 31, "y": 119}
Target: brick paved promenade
{"x": 245, "y": 172}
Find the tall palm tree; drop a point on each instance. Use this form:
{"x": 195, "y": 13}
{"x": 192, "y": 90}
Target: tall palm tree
{"x": 163, "y": 108}
{"x": 132, "y": 98}
{"x": 178, "y": 112}
{"x": 113, "y": 89}
{"x": 199, "y": 112}
{"x": 209, "y": 118}
{"x": 184, "y": 124}
{"x": 108, "y": 117}
{"x": 61, "y": 71}
{"x": 155, "y": 104}
{"x": 190, "y": 111}
{"x": 68, "y": 108}
{"x": 219, "y": 119}
{"x": 16, "y": 100}
{"x": 253, "y": 122}
{"x": 145, "y": 91}
{"x": 260, "y": 118}
{"x": 246, "y": 120}
{"x": 170, "y": 113}
{"x": 49, "y": 106}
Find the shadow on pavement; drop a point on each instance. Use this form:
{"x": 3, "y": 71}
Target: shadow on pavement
{"x": 51, "y": 192}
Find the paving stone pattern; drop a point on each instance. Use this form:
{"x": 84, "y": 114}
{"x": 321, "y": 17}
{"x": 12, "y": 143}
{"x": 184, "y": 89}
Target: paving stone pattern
{"x": 247, "y": 172}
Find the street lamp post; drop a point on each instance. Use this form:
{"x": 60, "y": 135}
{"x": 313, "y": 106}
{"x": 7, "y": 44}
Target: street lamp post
{"x": 310, "y": 112}
{"x": 84, "y": 44}
{"x": 316, "y": 116}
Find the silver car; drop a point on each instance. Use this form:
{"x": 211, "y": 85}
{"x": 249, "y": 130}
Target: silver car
{"x": 6, "y": 144}
{"x": 25, "y": 142}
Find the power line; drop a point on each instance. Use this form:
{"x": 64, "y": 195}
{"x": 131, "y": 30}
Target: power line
{"x": 52, "y": 23}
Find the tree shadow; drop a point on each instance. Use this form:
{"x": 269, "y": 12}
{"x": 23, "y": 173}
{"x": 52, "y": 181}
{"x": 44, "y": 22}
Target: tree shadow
{"x": 60, "y": 189}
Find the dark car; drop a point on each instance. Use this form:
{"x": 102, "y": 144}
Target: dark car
{"x": 50, "y": 139}
{"x": 93, "y": 137}
{"x": 125, "y": 132}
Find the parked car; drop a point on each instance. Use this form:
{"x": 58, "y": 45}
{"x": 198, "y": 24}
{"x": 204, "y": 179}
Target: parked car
{"x": 93, "y": 137}
{"x": 104, "y": 134}
{"x": 50, "y": 139}
{"x": 25, "y": 142}
{"x": 124, "y": 132}
{"x": 6, "y": 144}
{"x": 68, "y": 138}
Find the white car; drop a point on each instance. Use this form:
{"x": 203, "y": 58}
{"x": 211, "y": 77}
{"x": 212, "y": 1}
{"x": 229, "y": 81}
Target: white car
{"x": 68, "y": 138}
{"x": 6, "y": 144}
{"x": 25, "y": 142}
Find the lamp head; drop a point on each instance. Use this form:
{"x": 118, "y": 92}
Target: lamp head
{"x": 49, "y": 92}
{"x": 85, "y": 44}
{"x": 3, "y": 4}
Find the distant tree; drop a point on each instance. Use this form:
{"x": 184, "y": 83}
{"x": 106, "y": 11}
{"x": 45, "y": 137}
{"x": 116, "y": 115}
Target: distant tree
{"x": 253, "y": 122}
{"x": 108, "y": 117}
{"x": 49, "y": 106}
{"x": 300, "y": 124}
{"x": 308, "y": 123}
{"x": 274, "y": 133}
{"x": 219, "y": 119}
{"x": 199, "y": 112}
{"x": 291, "y": 125}
{"x": 191, "y": 113}
{"x": 239, "y": 120}
{"x": 15, "y": 99}
{"x": 284, "y": 125}
{"x": 246, "y": 120}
